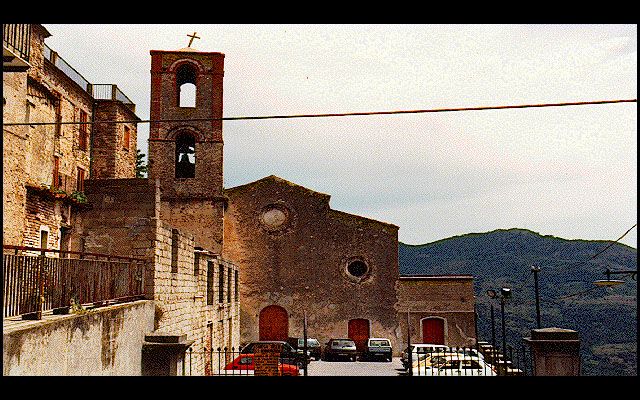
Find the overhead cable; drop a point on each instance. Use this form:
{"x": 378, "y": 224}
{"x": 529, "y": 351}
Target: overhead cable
{"x": 433, "y": 110}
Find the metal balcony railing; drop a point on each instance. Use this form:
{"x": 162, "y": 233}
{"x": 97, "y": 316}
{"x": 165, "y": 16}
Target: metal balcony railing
{"x": 33, "y": 283}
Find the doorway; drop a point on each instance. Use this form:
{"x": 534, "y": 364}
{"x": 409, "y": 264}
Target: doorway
{"x": 359, "y": 332}
{"x": 433, "y": 330}
{"x": 274, "y": 323}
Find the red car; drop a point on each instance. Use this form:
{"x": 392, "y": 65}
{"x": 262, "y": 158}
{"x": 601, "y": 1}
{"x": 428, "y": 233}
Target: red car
{"x": 244, "y": 365}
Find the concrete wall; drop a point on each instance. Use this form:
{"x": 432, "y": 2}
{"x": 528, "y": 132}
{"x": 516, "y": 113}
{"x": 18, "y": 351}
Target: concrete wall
{"x": 104, "y": 341}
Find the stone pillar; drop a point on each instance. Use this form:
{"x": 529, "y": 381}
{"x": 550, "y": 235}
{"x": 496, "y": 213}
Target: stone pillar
{"x": 555, "y": 351}
{"x": 164, "y": 354}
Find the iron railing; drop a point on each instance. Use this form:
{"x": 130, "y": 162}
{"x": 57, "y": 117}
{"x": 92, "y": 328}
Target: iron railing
{"x": 108, "y": 91}
{"x": 35, "y": 282}
{"x": 17, "y": 38}
{"x": 231, "y": 361}
{"x": 482, "y": 360}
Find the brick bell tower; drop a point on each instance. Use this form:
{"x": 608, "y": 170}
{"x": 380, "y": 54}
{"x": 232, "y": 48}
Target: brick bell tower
{"x": 185, "y": 141}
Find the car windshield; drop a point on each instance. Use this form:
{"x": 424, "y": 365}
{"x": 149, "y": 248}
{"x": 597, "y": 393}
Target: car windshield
{"x": 310, "y": 342}
{"x": 342, "y": 343}
{"x": 378, "y": 343}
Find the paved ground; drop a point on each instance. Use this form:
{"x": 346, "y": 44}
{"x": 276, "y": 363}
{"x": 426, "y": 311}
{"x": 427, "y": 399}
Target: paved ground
{"x": 357, "y": 368}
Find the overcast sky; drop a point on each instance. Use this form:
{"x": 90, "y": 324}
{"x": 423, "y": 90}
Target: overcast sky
{"x": 569, "y": 172}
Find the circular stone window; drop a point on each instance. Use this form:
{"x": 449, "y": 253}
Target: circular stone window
{"x": 356, "y": 269}
{"x": 275, "y": 218}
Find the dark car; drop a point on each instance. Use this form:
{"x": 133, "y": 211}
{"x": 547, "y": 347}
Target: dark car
{"x": 340, "y": 349}
{"x": 378, "y": 348}
{"x": 314, "y": 350}
{"x": 288, "y": 355}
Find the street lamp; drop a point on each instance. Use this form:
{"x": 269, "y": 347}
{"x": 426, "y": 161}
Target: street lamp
{"x": 609, "y": 282}
{"x": 505, "y": 294}
{"x": 535, "y": 280}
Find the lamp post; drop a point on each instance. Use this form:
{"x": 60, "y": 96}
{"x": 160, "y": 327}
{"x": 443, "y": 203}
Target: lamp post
{"x": 505, "y": 294}
{"x": 492, "y": 294}
{"x": 535, "y": 280}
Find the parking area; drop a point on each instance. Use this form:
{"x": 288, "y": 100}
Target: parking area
{"x": 355, "y": 368}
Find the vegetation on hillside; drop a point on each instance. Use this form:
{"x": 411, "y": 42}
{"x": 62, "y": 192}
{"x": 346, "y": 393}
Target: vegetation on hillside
{"x": 605, "y": 319}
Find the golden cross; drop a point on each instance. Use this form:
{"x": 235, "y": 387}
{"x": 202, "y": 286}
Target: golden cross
{"x": 192, "y": 37}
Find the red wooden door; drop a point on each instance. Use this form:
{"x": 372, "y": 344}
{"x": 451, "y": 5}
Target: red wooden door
{"x": 274, "y": 323}
{"x": 359, "y": 332}
{"x": 433, "y": 330}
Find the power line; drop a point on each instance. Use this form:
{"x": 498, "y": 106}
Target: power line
{"x": 603, "y": 250}
{"x": 433, "y": 110}
{"x": 578, "y": 264}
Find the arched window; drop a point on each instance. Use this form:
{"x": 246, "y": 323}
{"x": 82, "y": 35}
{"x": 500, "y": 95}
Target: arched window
{"x": 186, "y": 83}
{"x": 185, "y": 155}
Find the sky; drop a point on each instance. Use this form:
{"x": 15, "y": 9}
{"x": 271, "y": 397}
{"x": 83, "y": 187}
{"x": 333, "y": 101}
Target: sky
{"x": 569, "y": 172}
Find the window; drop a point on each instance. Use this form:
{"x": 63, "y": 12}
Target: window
{"x": 185, "y": 155}
{"x": 126, "y": 138}
{"x": 80, "y": 180}
{"x": 210, "y": 271}
{"x": 229, "y": 285}
{"x": 56, "y": 173}
{"x": 83, "y": 131}
{"x": 44, "y": 239}
{"x": 186, "y": 85}
{"x": 357, "y": 268}
{"x": 236, "y": 286}
{"x": 57, "y": 104}
{"x": 196, "y": 263}
{"x": 220, "y": 283}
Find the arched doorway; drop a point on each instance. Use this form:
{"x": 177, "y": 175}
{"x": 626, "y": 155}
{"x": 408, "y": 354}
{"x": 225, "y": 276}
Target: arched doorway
{"x": 359, "y": 332}
{"x": 274, "y": 323}
{"x": 433, "y": 330}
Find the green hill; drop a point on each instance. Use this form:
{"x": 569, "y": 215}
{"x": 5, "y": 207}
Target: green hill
{"x": 605, "y": 319}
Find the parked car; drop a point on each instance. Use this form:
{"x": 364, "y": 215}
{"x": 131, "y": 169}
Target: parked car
{"x": 288, "y": 355}
{"x": 340, "y": 349}
{"x": 452, "y": 365}
{"x": 314, "y": 349}
{"x": 243, "y": 364}
{"x": 421, "y": 350}
{"x": 378, "y": 348}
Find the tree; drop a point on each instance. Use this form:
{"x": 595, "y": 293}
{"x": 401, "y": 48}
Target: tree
{"x": 141, "y": 166}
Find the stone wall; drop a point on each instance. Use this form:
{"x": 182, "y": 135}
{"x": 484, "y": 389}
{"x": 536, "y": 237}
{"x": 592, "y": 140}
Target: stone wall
{"x": 104, "y": 341}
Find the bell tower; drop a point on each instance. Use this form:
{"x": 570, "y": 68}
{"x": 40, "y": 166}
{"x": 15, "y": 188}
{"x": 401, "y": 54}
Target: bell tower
{"x": 185, "y": 141}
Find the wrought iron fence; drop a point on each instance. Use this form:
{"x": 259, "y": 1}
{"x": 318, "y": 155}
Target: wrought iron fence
{"x": 467, "y": 361}
{"x": 35, "y": 283}
{"x": 233, "y": 362}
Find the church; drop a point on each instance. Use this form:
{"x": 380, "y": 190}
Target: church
{"x": 299, "y": 260}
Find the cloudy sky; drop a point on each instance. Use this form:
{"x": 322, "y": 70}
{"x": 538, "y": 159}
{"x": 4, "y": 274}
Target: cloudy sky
{"x": 569, "y": 172}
